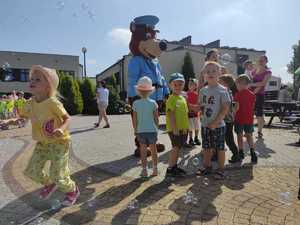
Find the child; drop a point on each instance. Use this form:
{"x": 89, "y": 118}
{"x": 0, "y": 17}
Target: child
{"x": 145, "y": 123}
{"x": 50, "y": 122}
{"x": 192, "y": 99}
{"x": 214, "y": 102}
{"x": 244, "y": 108}
{"x": 19, "y": 103}
{"x": 177, "y": 122}
{"x": 228, "y": 82}
{"x": 248, "y": 65}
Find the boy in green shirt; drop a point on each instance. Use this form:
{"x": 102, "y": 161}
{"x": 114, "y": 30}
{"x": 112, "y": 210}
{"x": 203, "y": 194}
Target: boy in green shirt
{"x": 177, "y": 122}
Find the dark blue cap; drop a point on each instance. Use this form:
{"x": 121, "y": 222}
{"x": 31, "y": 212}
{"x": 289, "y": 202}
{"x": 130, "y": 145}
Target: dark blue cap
{"x": 148, "y": 20}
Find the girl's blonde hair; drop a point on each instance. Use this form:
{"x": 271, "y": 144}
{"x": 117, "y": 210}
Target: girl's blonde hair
{"x": 211, "y": 63}
{"x": 50, "y": 75}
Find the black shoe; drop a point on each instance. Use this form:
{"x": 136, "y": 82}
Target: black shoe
{"x": 191, "y": 142}
{"x": 241, "y": 154}
{"x": 234, "y": 159}
{"x": 197, "y": 142}
{"x": 253, "y": 158}
{"x": 175, "y": 172}
{"x": 187, "y": 145}
{"x": 260, "y": 134}
{"x": 106, "y": 126}
{"x": 96, "y": 125}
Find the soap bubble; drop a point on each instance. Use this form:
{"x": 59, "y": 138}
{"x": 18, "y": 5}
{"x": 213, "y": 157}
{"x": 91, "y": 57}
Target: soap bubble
{"x": 89, "y": 180}
{"x": 189, "y": 198}
{"x": 55, "y": 204}
{"x": 285, "y": 198}
{"x": 196, "y": 161}
{"x": 6, "y": 66}
{"x": 134, "y": 204}
{"x": 84, "y": 6}
{"x": 225, "y": 59}
{"x": 60, "y": 5}
{"x": 91, "y": 15}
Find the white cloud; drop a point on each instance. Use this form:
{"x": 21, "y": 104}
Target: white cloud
{"x": 120, "y": 36}
{"x": 91, "y": 61}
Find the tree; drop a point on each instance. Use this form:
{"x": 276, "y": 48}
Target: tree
{"x": 292, "y": 67}
{"x": 188, "y": 69}
{"x": 114, "y": 100}
{"x": 70, "y": 94}
{"x": 88, "y": 95}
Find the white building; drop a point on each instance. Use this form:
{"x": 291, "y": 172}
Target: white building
{"x": 172, "y": 60}
{"x": 14, "y": 70}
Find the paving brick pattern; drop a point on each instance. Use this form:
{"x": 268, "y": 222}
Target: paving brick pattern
{"x": 102, "y": 165}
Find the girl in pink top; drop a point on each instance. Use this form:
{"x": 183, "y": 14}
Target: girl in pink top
{"x": 260, "y": 77}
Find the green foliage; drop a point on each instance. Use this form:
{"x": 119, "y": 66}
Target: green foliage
{"x": 71, "y": 96}
{"x": 292, "y": 67}
{"x": 87, "y": 89}
{"x": 188, "y": 69}
{"x": 114, "y": 100}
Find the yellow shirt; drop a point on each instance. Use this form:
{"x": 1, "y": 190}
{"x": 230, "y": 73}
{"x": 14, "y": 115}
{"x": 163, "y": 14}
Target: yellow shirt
{"x": 178, "y": 105}
{"x": 45, "y": 116}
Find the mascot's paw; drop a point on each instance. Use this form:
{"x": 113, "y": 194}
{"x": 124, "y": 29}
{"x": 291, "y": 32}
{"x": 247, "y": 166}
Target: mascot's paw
{"x": 138, "y": 154}
{"x": 160, "y": 147}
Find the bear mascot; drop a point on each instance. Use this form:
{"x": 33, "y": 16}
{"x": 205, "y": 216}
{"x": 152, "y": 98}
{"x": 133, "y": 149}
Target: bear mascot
{"x": 145, "y": 50}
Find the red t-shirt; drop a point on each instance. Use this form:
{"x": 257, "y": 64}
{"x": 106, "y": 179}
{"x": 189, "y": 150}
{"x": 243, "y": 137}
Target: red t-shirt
{"x": 192, "y": 99}
{"x": 246, "y": 100}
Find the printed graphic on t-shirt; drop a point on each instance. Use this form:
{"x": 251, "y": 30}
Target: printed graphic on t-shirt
{"x": 210, "y": 101}
{"x": 49, "y": 127}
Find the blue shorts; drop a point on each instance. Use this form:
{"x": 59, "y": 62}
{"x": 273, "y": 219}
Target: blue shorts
{"x": 240, "y": 128}
{"x": 147, "y": 138}
{"x": 213, "y": 139}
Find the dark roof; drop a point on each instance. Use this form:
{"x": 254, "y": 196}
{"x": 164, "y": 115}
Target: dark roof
{"x": 108, "y": 68}
{"x": 36, "y": 53}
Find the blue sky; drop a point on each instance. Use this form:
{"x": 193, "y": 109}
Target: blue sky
{"x": 65, "y": 26}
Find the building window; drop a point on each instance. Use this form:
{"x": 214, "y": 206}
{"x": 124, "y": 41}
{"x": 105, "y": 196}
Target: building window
{"x": 19, "y": 75}
{"x": 241, "y": 59}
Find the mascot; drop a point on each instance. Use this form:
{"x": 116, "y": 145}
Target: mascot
{"x": 145, "y": 50}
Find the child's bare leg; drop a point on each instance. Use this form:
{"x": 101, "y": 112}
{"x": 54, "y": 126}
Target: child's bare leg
{"x": 174, "y": 155}
{"x": 143, "y": 149}
{"x": 221, "y": 159}
{"x": 154, "y": 158}
{"x": 240, "y": 141}
{"x": 250, "y": 141}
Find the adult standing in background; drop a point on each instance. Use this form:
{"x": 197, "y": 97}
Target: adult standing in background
{"x": 102, "y": 95}
{"x": 212, "y": 55}
{"x": 260, "y": 76}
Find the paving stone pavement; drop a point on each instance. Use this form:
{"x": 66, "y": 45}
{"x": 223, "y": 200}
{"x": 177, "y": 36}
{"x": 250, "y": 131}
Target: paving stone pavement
{"x": 102, "y": 164}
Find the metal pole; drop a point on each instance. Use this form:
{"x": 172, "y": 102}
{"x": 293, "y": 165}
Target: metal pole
{"x": 84, "y": 64}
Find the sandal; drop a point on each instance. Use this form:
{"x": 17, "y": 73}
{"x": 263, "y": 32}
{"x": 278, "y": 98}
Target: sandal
{"x": 220, "y": 175}
{"x": 204, "y": 171}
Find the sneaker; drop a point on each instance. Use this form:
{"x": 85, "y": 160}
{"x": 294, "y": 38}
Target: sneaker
{"x": 106, "y": 126}
{"x": 260, "y": 134}
{"x": 197, "y": 141}
{"x": 253, "y": 158}
{"x": 191, "y": 142}
{"x": 234, "y": 159}
{"x": 241, "y": 154}
{"x": 47, "y": 191}
{"x": 71, "y": 197}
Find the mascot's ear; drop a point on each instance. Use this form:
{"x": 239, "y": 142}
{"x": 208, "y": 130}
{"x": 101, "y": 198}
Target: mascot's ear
{"x": 132, "y": 27}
